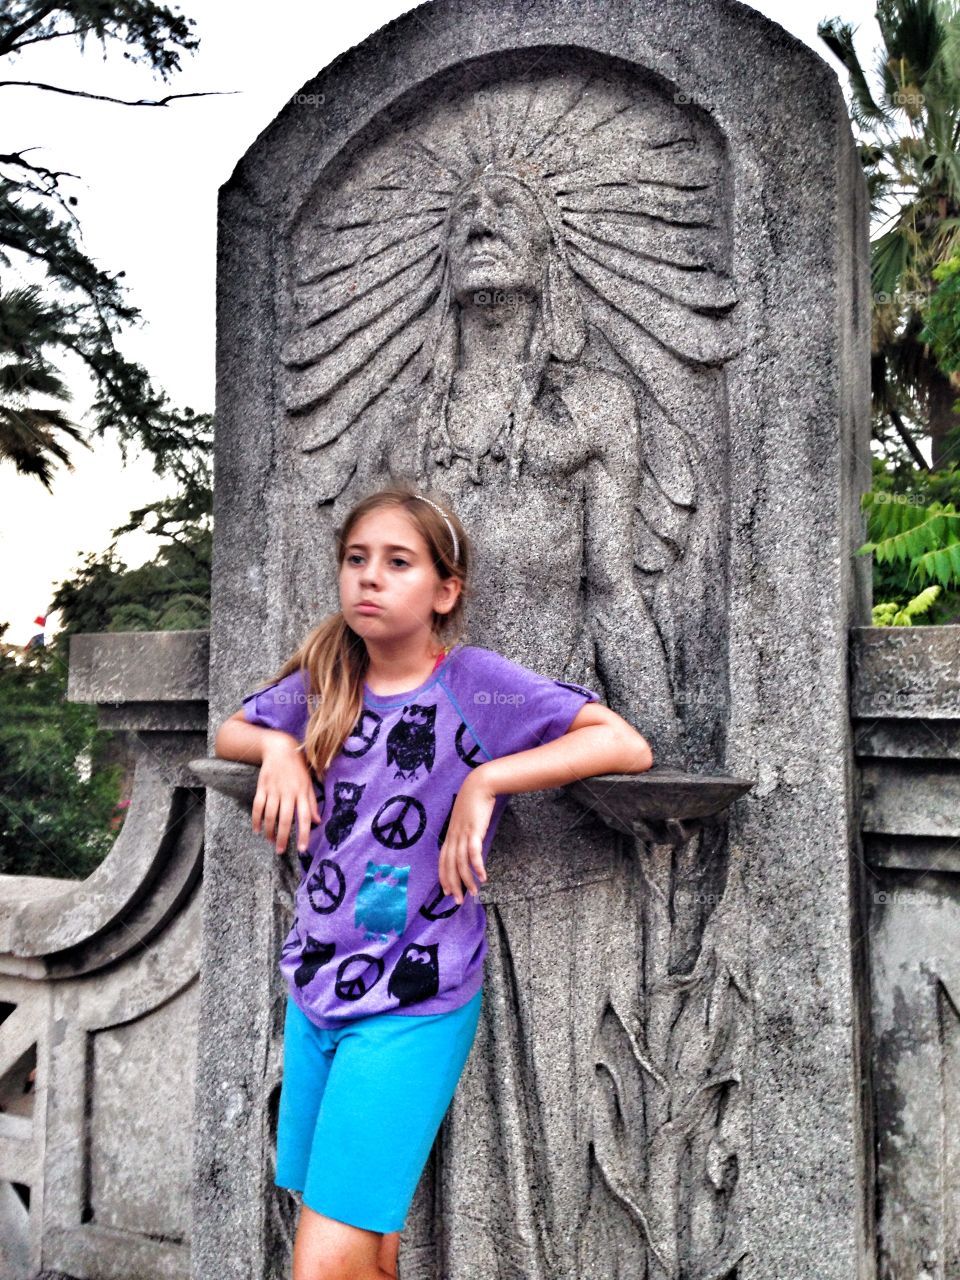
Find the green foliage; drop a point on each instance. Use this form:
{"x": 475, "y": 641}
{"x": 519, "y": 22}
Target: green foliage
{"x": 891, "y": 614}
{"x": 169, "y": 593}
{"x": 58, "y": 786}
{"x": 153, "y": 33}
{"x": 28, "y": 434}
{"x": 80, "y": 308}
{"x": 55, "y": 815}
{"x": 56, "y": 805}
{"x": 942, "y": 316}
{"x": 913, "y": 530}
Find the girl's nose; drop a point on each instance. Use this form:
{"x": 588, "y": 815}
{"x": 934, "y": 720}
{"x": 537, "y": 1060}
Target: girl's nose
{"x": 370, "y": 574}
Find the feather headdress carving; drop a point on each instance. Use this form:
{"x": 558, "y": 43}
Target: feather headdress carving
{"x": 631, "y": 187}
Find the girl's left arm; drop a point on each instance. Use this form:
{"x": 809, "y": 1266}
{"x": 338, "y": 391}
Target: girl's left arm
{"x": 598, "y": 741}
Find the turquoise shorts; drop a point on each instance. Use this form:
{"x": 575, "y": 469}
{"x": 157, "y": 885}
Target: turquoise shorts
{"x": 361, "y": 1105}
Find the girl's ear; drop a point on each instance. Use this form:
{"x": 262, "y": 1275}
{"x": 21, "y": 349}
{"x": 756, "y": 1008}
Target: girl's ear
{"x": 449, "y": 591}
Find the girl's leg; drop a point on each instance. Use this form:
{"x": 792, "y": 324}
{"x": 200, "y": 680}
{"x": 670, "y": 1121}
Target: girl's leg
{"x": 390, "y": 1084}
{"x": 325, "y": 1249}
{"x": 307, "y": 1057}
{"x": 389, "y": 1252}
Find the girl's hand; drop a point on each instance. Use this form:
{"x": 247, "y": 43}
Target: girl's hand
{"x": 285, "y": 786}
{"x": 462, "y": 851}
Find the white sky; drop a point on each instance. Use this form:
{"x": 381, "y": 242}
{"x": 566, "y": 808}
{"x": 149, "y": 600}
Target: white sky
{"x": 147, "y": 205}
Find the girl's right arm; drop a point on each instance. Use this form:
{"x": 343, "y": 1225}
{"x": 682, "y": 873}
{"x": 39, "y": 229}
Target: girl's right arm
{"x": 284, "y": 785}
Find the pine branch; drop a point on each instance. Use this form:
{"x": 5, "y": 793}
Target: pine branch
{"x": 10, "y": 41}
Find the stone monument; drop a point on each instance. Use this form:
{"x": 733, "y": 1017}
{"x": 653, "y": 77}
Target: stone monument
{"x": 562, "y": 263}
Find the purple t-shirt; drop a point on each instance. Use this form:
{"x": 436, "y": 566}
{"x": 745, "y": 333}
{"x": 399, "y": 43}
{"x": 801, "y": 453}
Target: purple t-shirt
{"x": 373, "y": 931}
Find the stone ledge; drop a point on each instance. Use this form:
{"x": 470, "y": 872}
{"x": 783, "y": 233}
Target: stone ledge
{"x": 905, "y": 673}
{"x": 139, "y": 666}
{"x": 661, "y": 806}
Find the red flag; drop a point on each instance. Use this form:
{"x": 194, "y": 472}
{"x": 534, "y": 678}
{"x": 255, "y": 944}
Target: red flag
{"x": 39, "y": 622}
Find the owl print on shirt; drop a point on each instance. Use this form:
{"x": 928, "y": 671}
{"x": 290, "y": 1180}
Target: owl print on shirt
{"x": 412, "y": 741}
{"x": 382, "y": 901}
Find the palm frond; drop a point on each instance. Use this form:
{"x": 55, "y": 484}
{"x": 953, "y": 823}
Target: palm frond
{"x": 838, "y": 37}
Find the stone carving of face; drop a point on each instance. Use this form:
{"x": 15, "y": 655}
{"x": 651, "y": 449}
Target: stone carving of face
{"x": 497, "y": 239}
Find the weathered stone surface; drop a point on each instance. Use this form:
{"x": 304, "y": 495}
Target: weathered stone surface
{"x": 907, "y": 736}
{"x": 138, "y": 666}
{"x": 668, "y": 515}
{"x": 905, "y": 672}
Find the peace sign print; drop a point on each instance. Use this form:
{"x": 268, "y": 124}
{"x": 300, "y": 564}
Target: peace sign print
{"x": 430, "y": 910}
{"x": 326, "y": 886}
{"x": 357, "y": 974}
{"x": 364, "y": 734}
{"x": 399, "y": 822}
{"x": 446, "y": 822}
{"x": 471, "y": 756}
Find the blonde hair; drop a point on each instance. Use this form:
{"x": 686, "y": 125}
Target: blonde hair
{"x": 334, "y": 659}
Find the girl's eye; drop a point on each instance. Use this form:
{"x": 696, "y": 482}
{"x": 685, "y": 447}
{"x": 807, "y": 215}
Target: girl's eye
{"x": 355, "y": 556}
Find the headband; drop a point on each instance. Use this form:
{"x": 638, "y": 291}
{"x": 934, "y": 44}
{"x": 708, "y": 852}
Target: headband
{"x": 453, "y": 535}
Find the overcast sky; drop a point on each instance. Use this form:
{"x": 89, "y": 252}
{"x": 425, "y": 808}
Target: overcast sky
{"x": 147, "y": 203}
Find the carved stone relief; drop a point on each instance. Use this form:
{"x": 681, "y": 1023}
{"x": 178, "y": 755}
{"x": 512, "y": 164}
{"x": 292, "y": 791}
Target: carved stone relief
{"x": 514, "y": 286}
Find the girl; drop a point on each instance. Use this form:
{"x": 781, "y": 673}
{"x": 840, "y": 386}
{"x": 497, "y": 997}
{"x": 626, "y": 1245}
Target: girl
{"x": 396, "y": 748}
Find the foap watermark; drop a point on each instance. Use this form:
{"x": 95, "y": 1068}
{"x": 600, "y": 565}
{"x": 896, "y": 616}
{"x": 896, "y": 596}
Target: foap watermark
{"x": 509, "y": 298}
{"x": 908, "y": 98}
{"x": 902, "y": 298}
{"x": 900, "y": 499}
{"x": 896, "y": 897}
{"x": 693, "y": 100}
{"x": 486, "y": 697}
{"x": 295, "y": 698}
{"x": 897, "y": 699}
{"x": 309, "y": 99}
{"x": 698, "y": 697}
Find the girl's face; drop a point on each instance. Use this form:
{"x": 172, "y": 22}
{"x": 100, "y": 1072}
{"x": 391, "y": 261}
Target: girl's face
{"x": 387, "y": 563}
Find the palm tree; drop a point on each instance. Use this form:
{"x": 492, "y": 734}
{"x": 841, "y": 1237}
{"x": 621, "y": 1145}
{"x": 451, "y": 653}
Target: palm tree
{"x": 29, "y": 434}
{"x": 909, "y": 133}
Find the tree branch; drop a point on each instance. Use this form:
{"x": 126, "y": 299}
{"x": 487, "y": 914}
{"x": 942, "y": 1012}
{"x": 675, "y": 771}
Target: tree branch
{"x": 51, "y": 35}
{"x": 51, "y": 175}
{"x": 9, "y": 42}
{"x": 124, "y": 102}
{"x": 907, "y": 438}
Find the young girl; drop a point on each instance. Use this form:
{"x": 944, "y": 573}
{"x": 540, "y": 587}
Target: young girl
{"x": 396, "y": 748}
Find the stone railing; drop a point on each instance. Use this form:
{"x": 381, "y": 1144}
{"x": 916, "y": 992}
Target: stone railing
{"x": 98, "y": 996}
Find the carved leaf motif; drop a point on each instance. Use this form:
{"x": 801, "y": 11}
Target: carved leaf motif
{"x": 680, "y": 1084}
